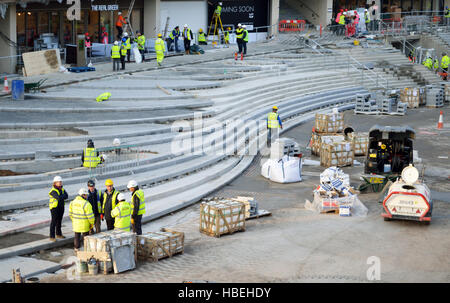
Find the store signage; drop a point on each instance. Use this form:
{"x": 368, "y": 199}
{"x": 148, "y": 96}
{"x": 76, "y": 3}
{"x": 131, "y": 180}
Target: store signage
{"x": 109, "y": 7}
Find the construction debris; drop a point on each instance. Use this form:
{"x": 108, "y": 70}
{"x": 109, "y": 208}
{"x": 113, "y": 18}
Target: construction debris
{"x": 334, "y": 193}
{"x": 41, "y": 62}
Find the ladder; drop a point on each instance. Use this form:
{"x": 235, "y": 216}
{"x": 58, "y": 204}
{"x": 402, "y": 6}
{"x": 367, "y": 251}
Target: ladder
{"x": 166, "y": 28}
{"x": 214, "y": 19}
{"x": 130, "y": 10}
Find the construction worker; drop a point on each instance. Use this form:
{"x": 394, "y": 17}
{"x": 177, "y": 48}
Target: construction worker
{"x": 239, "y": 36}
{"x": 137, "y": 206}
{"x": 201, "y": 37}
{"x": 141, "y": 44}
{"x": 436, "y": 65}
{"x": 342, "y": 24}
{"x": 447, "y": 16}
{"x": 366, "y": 19}
{"x": 104, "y": 36}
{"x": 115, "y": 55}
{"x": 356, "y": 21}
{"x": 445, "y": 60}
{"x": 128, "y": 46}
{"x": 122, "y": 214}
{"x": 174, "y": 35}
{"x": 273, "y": 124}
{"x": 109, "y": 203}
{"x": 80, "y": 212}
{"x": 119, "y": 25}
{"x": 218, "y": 9}
{"x": 90, "y": 156}
{"x": 57, "y": 197}
{"x": 245, "y": 39}
{"x": 187, "y": 37}
{"x": 88, "y": 44}
{"x": 160, "y": 48}
{"x": 226, "y": 36}
{"x": 123, "y": 52}
{"x": 95, "y": 197}
{"x": 428, "y": 63}
{"x": 103, "y": 97}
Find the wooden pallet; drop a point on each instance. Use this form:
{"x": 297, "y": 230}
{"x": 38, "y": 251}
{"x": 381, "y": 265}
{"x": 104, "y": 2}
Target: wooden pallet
{"x": 261, "y": 213}
{"x": 330, "y": 211}
{"x": 155, "y": 248}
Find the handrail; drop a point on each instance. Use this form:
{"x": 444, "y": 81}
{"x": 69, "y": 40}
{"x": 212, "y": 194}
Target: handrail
{"x": 353, "y": 65}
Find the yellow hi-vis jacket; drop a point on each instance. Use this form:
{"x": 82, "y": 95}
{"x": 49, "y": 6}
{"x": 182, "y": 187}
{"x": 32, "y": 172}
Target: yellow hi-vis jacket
{"x": 122, "y": 215}
{"x": 90, "y": 158}
{"x": 140, "y": 194}
{"x": 115, "y": 52}
{"x": 103, "y": 97}
{"x": 141, "y": 42}
{"x": 53, "y": 201}
{"x": 445, "y": 61}
{"x": 342, "y": 20}
{"x": 81, "y": 214}
{"x": 272, "y": 120}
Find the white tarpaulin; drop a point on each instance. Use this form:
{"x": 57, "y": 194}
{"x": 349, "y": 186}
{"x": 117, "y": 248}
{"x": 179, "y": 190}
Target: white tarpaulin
{"x": 286, "y": 170}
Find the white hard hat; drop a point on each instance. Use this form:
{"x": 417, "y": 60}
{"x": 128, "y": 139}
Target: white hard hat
{"x": 220, "y": 3}
{"x": 365, "y": 10}
{"x": 239, "y": 24}
{"x": 116, "y": 43}
{"x": 244, "y": 26}
{"x": 121, "y": 197}
{"x": 57, "y": 179}
{"x": 345, "y": 13}
{"x": 132, "y": 183}
{"x": 104, "y": 156}
{"x": 83, "y": 191}
{"x": 116, "y": 141}
{"x": 119, "y": 13}
{"x": 125, "y": 34}
{"x": 185, "y": 25}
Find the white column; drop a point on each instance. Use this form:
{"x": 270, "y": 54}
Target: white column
{"x": 274, "y": 16}
{"x": 151, "y": 18}
{"x": 8, "y": 26}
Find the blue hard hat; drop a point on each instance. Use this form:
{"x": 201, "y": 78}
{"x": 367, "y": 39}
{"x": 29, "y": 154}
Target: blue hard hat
{"x": 124, "y": 39}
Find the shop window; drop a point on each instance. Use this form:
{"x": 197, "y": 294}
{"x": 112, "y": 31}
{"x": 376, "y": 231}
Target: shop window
{"x": 93, "y": 26}
{"x": 80, "y": 25}
{"x": 107, "y": 23}
{"x": 68, "y": 32}
{"x": 31, "y": 29}
{"x": 20, "y": 27}
{"x": 54, "y": 23}
{"x": 417, "y": 5}
{"x": 406, "y": 5}
{"x": 43, "y": 22}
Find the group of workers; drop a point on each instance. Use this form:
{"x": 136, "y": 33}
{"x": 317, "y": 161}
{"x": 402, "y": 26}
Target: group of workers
{"x": 92, "y": 206}
{"x": 434, "y": 65}
{"x": 348, "y": 22}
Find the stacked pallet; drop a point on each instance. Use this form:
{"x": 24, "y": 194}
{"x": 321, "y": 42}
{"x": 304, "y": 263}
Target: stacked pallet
{"x": 337, "y": 154}
{"x": 364, "y": 105}
{"x": 113, "y": 249}
{"x": 434, "y": 96}
{"x": 327, "y": 128}
{"x": 360, "y": 143}
{"x": 154, "y": 246}
{"x": 251, "y": 205}
{"x": 284, "y": 146}
{"x": 410, "y": 96}
{"x": 222, "y": 217}
{"x": 446, "y": 86}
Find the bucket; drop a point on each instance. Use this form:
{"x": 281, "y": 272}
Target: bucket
{"x": 17, "y": 90}
{"x": 93, "y": 269}
{"x": 32, "y": 280}
{"x": 108, "y": 266}
{"x": 82, "y": 267}
{"x": 355, "y": 42}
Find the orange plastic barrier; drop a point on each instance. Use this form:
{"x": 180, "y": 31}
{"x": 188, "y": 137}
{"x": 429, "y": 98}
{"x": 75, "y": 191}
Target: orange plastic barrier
{"x": 291, "y": 25}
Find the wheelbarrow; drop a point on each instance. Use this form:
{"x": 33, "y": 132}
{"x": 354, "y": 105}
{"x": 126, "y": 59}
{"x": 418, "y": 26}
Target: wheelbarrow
{"x": 33, "y": 86}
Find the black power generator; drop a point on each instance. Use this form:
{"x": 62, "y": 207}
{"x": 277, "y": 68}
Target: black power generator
{"x": 390, "y": 149}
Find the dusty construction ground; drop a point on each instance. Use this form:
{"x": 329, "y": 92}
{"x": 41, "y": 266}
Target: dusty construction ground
{"x": 296, "y": 245}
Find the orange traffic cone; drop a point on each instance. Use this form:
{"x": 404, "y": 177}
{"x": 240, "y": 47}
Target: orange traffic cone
{"x": 242, "y": 56}
{"x": 235, "y": 56}
{"x": 441, "y": 120}
{"x": 5, "y": 86}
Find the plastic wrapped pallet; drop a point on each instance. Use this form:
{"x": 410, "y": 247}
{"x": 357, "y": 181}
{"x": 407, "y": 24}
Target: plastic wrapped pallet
{"x": 337, "y": 154}
{"x": 329, "y": 123}
{"x": 286, "y": 170}
{"x": 410, "y": 96}
{"x": 222, "y": 217}
{"x": 360, "y": 143}
{"x": 154, "y": 246}
{"x": 323, "y": 204}
{"x": 251, "y": 205}
{"x": 116, "y": 244}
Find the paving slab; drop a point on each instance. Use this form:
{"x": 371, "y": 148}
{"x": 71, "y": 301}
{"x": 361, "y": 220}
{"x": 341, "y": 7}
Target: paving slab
{"x": 28, "y": 267}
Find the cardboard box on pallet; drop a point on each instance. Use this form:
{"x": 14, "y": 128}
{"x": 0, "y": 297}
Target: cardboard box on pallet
{"x": 154, "y": 246}
{"x": 317, "y": 139}
{"x": 337, "y": 154}
{"x": 329, "y": 123}
{"x": 410, "y": 96}
{"x": 222, "y": 217}
{"x": 360, "y": 143}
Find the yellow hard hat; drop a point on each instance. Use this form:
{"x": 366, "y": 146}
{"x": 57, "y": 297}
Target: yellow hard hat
{"x": 229, "y": 28}
{"x": 159, "y": 35}
{"x": 200, "y": 30}
{"x": 109, "y": 182}
{"x": 275, "y": 107}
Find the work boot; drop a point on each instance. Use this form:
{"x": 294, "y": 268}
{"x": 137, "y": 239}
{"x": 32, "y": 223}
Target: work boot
{"x": 60, "y": 237}
{"x": 52, "y": 239}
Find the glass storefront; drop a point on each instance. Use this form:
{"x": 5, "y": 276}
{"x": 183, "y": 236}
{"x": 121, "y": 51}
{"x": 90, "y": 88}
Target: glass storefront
{"x": 37, "y": 19}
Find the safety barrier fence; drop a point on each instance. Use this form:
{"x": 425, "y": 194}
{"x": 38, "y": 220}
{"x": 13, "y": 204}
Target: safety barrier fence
{"x": 291, "y": 26}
